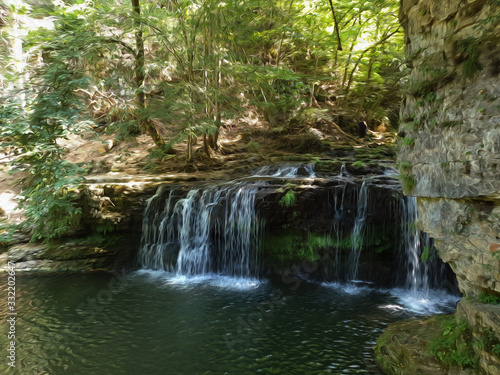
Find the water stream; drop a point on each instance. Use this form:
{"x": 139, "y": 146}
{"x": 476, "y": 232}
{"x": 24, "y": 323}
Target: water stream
{"x": 199, "y": 305}
{"x": 212, "y": 229}
{"x": 358, "y": 230}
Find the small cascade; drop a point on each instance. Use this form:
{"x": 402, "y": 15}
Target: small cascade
{"x": 426, "y": 281}
{"x": 208, "y": 230}
{"x": 417, "y": 272}
{"x": 343, "y": 171}
{"x": 358, "y": 230}
{"x": 287, "y": 170}
{"x": 421, "y": 275}
{"x": 335, "y": 231}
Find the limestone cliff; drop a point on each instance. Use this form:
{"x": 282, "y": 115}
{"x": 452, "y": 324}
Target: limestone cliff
{"x": 449, "y": 153}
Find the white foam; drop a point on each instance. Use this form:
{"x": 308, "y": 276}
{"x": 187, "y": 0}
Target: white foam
{"x": 421, "y": 303}
{"x": 349, "y": 288}
{"x": 218, "y": 281}
{"x": 425, "y": 303}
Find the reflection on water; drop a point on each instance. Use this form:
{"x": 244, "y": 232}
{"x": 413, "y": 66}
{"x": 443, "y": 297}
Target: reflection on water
{"x": 155, "y": 323}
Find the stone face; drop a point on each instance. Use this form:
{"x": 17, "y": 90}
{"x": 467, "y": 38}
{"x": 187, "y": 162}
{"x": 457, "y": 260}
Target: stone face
{"x": 67, "y": 257}
{"x": 454, "y": 100}
{"x": 466, "y": 235}
{"x": 452, "y": 112}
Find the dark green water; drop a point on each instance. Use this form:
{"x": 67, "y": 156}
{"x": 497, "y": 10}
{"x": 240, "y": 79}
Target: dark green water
{"x": 146, "y": 323}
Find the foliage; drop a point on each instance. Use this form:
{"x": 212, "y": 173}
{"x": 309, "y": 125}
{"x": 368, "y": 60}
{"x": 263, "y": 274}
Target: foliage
{"x": 469, "y": 56}
{"x": 177, "y": 71}
{"x": 358, "y": 164}
{"x": 288, "y": 200}
{"x": 428, "y": 254}
{"x": 408, "y": 181}
{"x": 295, "y": 246}
{"x": 489, "y": 298}
{"x": 486, "y": 340}
{"x": 52, "y": 112}
{"x": 451, "y": 347}
{"x": 253, "y": 146}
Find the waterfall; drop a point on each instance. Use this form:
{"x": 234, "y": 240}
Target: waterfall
{"x": 343, "y": 171}
{"x": 287, "y": 170}
{"x": 416, "y": 276}
{"x": 205, "y": 230}
{"x": 358, "y": 231}
{"x": 421, "y": 275}
{"x": 208, "y": 230}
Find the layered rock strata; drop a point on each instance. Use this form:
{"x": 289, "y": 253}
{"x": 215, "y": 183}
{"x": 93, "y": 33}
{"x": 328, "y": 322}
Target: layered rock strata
{"x": 450, "y": 150}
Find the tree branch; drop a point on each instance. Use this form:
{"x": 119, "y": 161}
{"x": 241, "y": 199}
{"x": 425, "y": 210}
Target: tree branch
{"x": 337, "y": 32}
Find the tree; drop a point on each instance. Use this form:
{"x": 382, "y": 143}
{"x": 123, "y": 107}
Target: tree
{"x": 52, "y": 111}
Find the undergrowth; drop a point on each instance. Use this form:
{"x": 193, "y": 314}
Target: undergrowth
{"x": 489, "y": 298}
{"x": 288, "y": 200}
{"x": 451, "y": 346}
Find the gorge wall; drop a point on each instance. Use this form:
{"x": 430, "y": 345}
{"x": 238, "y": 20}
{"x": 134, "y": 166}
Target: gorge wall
{"x": 449, "y": 156}
{"x": 450, "y": 122}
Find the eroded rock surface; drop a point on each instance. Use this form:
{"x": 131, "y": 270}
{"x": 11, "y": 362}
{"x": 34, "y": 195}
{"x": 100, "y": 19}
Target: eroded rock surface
{"x": 450, "y": 155}
{"x": 451, "y": 119}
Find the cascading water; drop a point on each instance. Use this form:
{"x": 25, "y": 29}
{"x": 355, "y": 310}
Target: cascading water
{"x": 417, "y": 280}
{"x": 358, "y": 230}
{"x": 343, "y": 171}
{"x": 422, "y": 275}
{"x": 211, "y": 230}
{"x": 287, "y": 171}
{"x": 426, "y": 280}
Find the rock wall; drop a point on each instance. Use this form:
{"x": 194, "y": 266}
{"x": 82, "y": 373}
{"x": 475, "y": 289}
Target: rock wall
{"x": 450, "y": 122}
{"x": 449, "y": 154}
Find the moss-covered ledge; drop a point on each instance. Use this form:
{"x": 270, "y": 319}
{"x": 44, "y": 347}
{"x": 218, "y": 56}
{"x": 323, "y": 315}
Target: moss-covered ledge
{"x": 404, "y": 348}
{"x": 466, "y": 342}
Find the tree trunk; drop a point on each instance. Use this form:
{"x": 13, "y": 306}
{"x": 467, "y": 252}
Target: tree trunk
{"x": 140, "y": 76}
{"x": 189, "y": 149}
{"x": 351, "y": 76}
{"x": 336, "y": 25}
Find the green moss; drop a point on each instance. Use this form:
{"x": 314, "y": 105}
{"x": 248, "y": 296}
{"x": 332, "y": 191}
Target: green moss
{"x": 489, "y": 298}
{"x": 253, "y": 146}
{"x": 379, "y": 153}
{"x": 294, "y": 246}
{"x": 445, "y": 165}
{"x": 408, "y": 181}
{"x": 408, "y": 141}
{"x": 328, "y": 166}
{"x": 450, "y": 346}
{"x": 404, "y": 166}
{"x": 288, "y": 200}
{"x": 358, "y": 164}
{"x": 426, "y": 89}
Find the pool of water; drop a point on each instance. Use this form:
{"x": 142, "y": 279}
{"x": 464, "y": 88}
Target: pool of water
{"x": 154, "y": 323}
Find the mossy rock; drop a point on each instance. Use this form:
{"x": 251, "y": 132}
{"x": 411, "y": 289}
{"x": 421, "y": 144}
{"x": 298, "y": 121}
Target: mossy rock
{"x": 404, "y": 348}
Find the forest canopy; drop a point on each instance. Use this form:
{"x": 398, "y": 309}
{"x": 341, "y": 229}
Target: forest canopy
{"x": 180, "y": 70}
